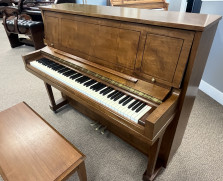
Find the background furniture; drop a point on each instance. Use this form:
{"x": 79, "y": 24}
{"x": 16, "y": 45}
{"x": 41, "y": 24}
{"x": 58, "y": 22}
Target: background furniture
{"x": 26, "y": 19}
{"x": 145, "y": 4}
{"x": 33, "y": 150}
{"x": 16, "y": 24}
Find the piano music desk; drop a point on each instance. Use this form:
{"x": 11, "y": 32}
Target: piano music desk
{"x": 33, "y": 150}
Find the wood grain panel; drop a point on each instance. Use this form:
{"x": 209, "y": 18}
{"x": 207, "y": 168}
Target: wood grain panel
{"x": 31, "y": 149}
{"x": 51, "y": 30}
{"x": 80, "y": 35}
{"x": 161, "y": 56}
{"x": 104, "y": 44}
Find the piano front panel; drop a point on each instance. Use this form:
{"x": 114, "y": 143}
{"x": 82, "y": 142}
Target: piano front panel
{"x": 124, "y": 47}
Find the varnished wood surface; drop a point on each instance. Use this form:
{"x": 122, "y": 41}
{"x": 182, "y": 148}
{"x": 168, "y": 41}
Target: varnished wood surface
{"x": 181, "y": 20}
{"x": 124, "y": 47}
{"x": 146, "y": 87}
{"x": 33, "y": 150}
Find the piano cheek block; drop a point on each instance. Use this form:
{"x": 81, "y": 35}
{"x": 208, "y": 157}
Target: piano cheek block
{"x": 131, "y": 79}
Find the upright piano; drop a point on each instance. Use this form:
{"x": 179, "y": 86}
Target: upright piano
{"x": 134, "y": 71}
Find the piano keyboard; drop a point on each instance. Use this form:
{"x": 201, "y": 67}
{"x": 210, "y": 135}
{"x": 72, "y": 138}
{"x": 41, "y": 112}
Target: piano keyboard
{"x": 119, "y": 102}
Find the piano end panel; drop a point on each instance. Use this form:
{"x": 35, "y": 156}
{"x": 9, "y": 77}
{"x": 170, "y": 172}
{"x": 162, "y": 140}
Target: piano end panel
{"x": 31, "y": 56}
{"x": 161, "y": 117}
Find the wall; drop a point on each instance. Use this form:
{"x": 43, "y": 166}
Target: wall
{"x": 212, "y": 80}
{"x": 177, "y": 5}
{"x": 94, "y": 2}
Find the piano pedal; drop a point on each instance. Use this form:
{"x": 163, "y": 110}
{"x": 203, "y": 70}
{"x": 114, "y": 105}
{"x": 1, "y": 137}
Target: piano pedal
{"x": 94, "y": 123}
{"x": 99, "y": 127}
{"x": 104, "y": 129}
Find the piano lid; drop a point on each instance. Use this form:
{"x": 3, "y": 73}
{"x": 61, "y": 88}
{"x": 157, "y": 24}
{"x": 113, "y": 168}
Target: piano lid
{"x": 189, "y": 21}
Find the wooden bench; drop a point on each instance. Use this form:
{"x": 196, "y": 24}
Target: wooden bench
{"x": 33, "y": 150}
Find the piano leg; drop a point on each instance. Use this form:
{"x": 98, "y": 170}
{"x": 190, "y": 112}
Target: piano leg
{"x": 154, "y": 164}
{"x": 54, "y": 105}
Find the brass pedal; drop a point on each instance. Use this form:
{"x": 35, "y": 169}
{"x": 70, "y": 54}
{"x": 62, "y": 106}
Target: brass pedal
{"x": 99, "y": 127}
{"x": 94, "y": 123}
{"x": 104, "y": 129}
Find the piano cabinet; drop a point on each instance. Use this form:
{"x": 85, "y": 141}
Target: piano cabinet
{"x": 155, "y": 58}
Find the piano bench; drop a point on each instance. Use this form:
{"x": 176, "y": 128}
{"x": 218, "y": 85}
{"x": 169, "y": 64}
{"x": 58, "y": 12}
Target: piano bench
{"x": 16, "y": 24}
{"x": 31, "y": 149}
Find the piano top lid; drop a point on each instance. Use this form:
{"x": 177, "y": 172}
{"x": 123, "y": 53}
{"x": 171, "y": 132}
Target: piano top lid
{"x": 189, "y": 21}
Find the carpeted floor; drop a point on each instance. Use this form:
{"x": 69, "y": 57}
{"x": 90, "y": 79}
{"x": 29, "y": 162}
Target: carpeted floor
{"x": 108, "y": 157}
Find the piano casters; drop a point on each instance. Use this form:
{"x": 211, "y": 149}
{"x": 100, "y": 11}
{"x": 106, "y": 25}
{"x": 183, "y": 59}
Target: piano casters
{"x": 54, "y": 105}
{"x": 154, "y": 163}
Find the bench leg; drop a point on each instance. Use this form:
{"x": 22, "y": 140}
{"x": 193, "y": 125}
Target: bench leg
{"x": 82, "y": 172}
{"x": 37, "y": 34}
{"x": 14, "y": 40}
{"x": 54, "y": 105}
{"x": 154, "y": 164}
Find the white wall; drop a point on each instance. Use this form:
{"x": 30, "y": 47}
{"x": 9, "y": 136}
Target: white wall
{"x": 94, "y": 2}
{"x": 212, "y": 80}
{"x": 177, "y": 5}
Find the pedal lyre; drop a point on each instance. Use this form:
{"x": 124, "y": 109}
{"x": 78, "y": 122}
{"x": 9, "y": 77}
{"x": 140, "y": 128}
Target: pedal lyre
{"x": 99, "y": 127}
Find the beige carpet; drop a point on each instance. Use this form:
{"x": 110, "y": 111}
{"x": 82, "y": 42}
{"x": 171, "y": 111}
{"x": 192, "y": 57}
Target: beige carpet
{"x": 108, "y": 157}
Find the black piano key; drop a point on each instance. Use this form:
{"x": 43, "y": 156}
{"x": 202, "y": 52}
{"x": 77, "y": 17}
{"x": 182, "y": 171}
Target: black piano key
{"x": 54, "y": 65}
{"x": 68, "y": 72}
{"x": 137, "y": 105}
{"x": 80, "y": 79}
{"x": 115, "y": 95}
{"x": 101, "y": 87}
{"x": 136, "y": 101}
{"x": 87, "y": 84}
{"x": 84, "y": 80}
{"x": 108, "y": 91}
{"x": 94, "y": 86}
{"x": 140, "y": 107}
{"x": 50, "y": 65}
{"x": 123, "y": 99}
{"x": 97, "y": 86}
{"x": 119, "y": 96}
{"x": 63, "y": 70}
{"x": 127, "y": 101}
{"x": 111, "y": 94}
{"x": 75, "y": 76}
{"x": 56, "y": 68}
{"x": 104, "y": 90}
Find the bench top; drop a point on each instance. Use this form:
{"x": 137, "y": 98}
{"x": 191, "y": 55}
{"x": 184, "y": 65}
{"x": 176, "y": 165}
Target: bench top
{"x": 33, "y": 150}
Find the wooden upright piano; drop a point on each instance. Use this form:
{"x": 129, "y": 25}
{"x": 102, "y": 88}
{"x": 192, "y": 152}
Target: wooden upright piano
{"x": 134, "y": 71}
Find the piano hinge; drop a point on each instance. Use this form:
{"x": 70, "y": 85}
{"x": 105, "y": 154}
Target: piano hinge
{"x": 129, "y": 89}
